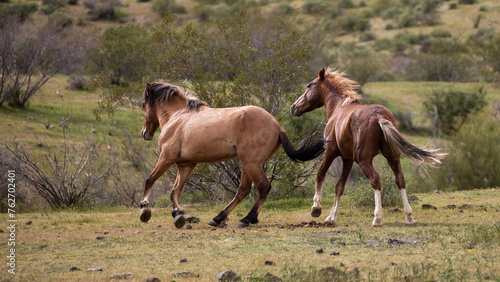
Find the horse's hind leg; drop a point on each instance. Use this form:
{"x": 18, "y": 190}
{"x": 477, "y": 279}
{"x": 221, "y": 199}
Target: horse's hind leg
{"x": 339, "y": 190}
{"x": 395, "y": 165}
{"x": 258, "y": 177}
{"x": 158, "y": 171}
{"x": 367, "y": 168}
{"x": 330, "y": 155}
{"x": 180, "y": 180}
{"x": 243, "y": 191}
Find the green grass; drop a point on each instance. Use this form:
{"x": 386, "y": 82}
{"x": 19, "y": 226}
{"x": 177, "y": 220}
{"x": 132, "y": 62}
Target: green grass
{"x": 445, "y": 244}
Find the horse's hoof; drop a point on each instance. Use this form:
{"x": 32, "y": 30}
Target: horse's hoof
{"x": 315, "y": 211}
{"x": 213, "y": 223}
{"x": 179, "y": 221}
{"x": 145, "y": 214}
{"x": 377, "y": 223}
{"x": 242, "y": 224}
{"x": 410, "y": 220}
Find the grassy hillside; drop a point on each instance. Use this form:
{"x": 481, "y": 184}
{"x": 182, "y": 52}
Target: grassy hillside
{"x": 447, "y": 244}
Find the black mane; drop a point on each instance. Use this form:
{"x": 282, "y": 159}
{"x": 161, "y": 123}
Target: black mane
{"x": 165, "y": 92}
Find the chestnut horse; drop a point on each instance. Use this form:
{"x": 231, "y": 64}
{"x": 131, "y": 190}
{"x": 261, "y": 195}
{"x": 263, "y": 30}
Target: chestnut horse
{"x": 357, "y": 133}
{"x": 192, "y": 133}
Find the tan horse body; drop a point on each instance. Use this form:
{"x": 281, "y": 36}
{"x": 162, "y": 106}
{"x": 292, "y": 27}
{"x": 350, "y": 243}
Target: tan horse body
{"x": 357, "y": 133}
{"x": 193, "y": 133}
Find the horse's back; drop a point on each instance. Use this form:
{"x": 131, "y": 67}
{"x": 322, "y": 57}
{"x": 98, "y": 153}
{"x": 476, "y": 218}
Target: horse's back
{"x": 217, "y": 134}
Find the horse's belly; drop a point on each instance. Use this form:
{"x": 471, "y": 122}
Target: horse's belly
{"x": 208, "y": 151}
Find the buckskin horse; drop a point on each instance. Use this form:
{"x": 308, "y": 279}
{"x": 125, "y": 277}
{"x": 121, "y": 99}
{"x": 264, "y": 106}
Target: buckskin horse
{"x": 192, "y": 133}
{"x": 357, "y": 133}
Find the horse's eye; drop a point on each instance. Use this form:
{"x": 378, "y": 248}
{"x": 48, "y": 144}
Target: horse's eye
{"x": 309, "y": 85}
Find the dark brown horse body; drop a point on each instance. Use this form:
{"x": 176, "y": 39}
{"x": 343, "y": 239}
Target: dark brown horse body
{"x": 357, "y": 133}
{"x": 193, "y": 133}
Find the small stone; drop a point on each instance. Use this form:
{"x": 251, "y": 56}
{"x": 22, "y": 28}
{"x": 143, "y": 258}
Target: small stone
{"x": 471, "y": 215}
{"x": 113, "y": 224}
{"x": 153, "y": 279}
{"x": 394, "y": 242}
{"x": 192, "y": 219}
{"x": 74, "y": 268}
{"x": 319, "y": 251}
{"x": 137, "y": 232}
{"x": 1, "y": 231}
{"x": 437, "y": 191}
{"x": 393, "y": 263}
{"x": 268, "y": 262}
{"x": 105, "y": 232}
{"x": 228, "y": 275}
{"x": 99, "y": 238}
{"x": 272, "y": 278}
{"x": 328, "y": 271}
{"x": 428, "y": 207}
{"x": 183, "y": 273}
{"x": 239, "y": 214}
{"x": 29, "y": 222}
{"x": 95, "y": 269}
{"x": 394, "y": 210}
{"x": 334, "y": 253}
{"x": 120, "y": 276}
{"x": 184, "y": 260}
{"x": 451, "y": 207}
{"x": 189, "y": 226}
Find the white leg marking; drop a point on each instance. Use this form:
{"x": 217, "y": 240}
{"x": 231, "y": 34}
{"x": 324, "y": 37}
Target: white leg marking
{"x": 408, "y": 210}
{"x": 332, "y": 218}
{"x": 377, "y": 221}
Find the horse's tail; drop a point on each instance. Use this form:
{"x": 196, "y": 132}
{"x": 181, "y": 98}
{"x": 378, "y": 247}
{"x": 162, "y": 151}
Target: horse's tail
{"x": 307, "y": 149}
{"x": 401, "y": 145}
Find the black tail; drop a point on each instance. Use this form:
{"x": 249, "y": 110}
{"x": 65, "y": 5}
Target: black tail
{"x": 307, "y": 149}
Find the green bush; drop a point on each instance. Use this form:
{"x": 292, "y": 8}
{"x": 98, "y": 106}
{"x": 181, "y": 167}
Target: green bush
{"x": 454, "y": 107}
{"x": 440, "y": 33}
{"x": 473, "y": 156}
{"x": 361, "y": 192}
{"x": 453, "y": 6}
{"x": 315, "y": 7}
{"x": 21, "y": 11}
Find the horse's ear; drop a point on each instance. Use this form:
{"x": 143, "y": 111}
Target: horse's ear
{"x": 149, "y": 89}
{"x": 321, "y": 74}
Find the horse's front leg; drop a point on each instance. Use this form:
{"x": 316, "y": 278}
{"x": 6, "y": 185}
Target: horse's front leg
{"x": 159, "y": 170}
{"x": 330, "y": 155}
{"x": 180, "y": 180}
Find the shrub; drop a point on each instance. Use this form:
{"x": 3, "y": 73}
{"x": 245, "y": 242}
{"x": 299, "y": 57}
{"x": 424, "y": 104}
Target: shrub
{"x": 102, "y": 9}
{"x": 453, "y": 107}
{"x": 120, "y": 52}
{"x": 467, "y": 2}
{"x": 315, "y": 7}
{"x": 19, "y": 11}
{"x": 453, "y": 6}
{"x": 361, "y": 60}
{"x": 440, "y": 33}
{"x": 473, "y": 156}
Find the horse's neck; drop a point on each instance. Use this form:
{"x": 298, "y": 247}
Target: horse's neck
{"x": 165, "y": 111}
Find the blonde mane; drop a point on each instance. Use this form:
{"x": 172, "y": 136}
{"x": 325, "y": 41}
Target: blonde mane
{"x": 347, "y": 87}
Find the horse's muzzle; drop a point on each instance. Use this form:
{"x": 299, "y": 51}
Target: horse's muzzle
{"x": 145, "y": 134}
{"x": 295, "y": 111}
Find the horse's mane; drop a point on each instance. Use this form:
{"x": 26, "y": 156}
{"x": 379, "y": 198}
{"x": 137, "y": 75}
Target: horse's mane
{"x": 165, "y": 91}
{"x": 347, "y": 87}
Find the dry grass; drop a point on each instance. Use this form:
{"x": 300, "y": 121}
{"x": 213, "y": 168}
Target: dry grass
{"x": 445, "y": 244}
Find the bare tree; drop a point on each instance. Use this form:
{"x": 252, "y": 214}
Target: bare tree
{"x": 30, "y": 55}
{"x": 64, "y": 177}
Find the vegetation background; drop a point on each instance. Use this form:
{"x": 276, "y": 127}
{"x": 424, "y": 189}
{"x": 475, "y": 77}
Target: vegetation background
{"x": 73, "y": 72}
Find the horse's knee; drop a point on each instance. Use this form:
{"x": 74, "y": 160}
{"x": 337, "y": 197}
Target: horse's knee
{"x": 263, "y": 188}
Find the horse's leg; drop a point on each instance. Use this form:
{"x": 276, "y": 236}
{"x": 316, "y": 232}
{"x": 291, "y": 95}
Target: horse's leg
{"x": 330, "y": 155}
{"x": 367, "y": 168}
{"x": 258, "y": 177}
{"x": 339, "y": 190}
{"x": 243, "y": 191}
{"x": 395, "y": 165}
{"x": 158, "y": 171}
{"x": 180, "y": 180}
